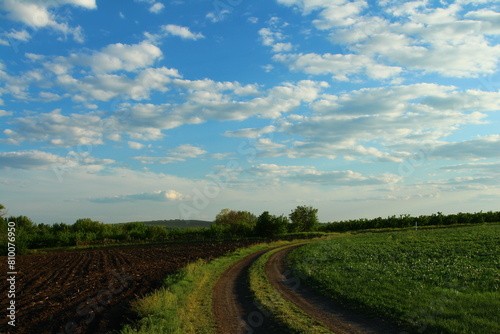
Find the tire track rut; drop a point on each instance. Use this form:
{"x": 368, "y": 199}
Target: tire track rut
{"x": 331, "y": 314}
{"x": 233, "y": 306}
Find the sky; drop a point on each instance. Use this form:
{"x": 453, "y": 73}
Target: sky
{"x": 146, "y": 109}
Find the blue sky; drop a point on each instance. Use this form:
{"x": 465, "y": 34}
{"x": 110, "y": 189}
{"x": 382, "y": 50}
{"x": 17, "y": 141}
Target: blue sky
{"x": 144, "y": 109}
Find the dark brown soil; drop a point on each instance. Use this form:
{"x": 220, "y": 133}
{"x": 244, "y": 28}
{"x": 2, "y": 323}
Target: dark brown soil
{"x": 89, "y": 291}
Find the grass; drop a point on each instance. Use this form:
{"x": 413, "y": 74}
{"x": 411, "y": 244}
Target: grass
{"x": 437, "y": 281}
{"x": 286, "y": 314}
{"x": 184, "y": 304}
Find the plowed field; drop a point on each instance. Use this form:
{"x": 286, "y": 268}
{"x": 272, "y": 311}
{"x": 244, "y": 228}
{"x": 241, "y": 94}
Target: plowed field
{"x": 89, "y": 291}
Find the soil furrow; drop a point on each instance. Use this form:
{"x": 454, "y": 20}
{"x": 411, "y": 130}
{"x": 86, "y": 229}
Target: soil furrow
{"x": 89, "y": 291}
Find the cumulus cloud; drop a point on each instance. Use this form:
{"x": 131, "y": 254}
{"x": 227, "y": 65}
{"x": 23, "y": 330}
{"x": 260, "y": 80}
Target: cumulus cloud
{"x": 386, "y": 123}
{"x": 182, "y": 32}
{"x": 20, "y": 35}
{"x": 273, "y": 36}
{"x": 450, "y": 39}
{"x": 250, "y": 132}
{"x": 58, "y": 129}
{"x": 475, "y": 149}
{"x": 340, "y": 66}
{"x": 218, "y": 16}
{"x": 34, "y": 159}
{"x": 135, "y": 145}
{"x": 179, "y": 154}
{"x": 309, "y": 174}
{"x": 202, "y": 100}
{"x": 112, "y": 58}
{"x": 480, "y": 167}
{"x": 157, "y": 196}
{"x": 5, "y": 113}
{"x": 38, "y": 14}
{"x": 157, "y": 8}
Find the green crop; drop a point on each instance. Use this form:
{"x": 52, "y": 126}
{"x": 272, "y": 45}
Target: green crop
{"x": 437, "y": 281}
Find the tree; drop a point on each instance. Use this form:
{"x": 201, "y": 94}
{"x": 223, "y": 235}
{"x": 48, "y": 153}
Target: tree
{"x": 304, "y": 219}
{"x": 87, "y": 225}
{"x": 270, "y": 225}
{"x": 263, "y": 224}
{"x": 3, "y": 212}
{"x": 231, "y": 217}
{"x": 237, "y": 223}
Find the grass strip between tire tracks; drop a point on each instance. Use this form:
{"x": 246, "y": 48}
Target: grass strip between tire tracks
{"x": 286, "y": 313}
{"x": 184, "y": 303}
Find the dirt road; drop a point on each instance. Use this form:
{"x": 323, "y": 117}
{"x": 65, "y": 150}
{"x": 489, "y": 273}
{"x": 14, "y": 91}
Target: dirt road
{"x": 233, "y": 306}
{"x": 236, "y": 312}
{"x": 333, "y": 315}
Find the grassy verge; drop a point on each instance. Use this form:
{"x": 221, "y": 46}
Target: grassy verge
{"x": 437, "y": 281}
{"x": 184, "y": 304}
{"x": 286, "y": 313}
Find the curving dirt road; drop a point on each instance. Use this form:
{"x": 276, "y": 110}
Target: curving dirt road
{"x": 234, "y": 309}
{"x": 334, "y": 316}
{"x": 237, "y": 313}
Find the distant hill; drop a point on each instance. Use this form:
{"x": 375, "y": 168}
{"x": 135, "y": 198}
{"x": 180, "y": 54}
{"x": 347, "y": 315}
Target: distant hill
{"x": 179, "y": 223}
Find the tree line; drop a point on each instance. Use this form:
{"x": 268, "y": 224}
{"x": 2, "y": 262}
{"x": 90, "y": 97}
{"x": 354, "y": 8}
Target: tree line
{"x": 228, "y": 224}
{"x": 404, "y": 221}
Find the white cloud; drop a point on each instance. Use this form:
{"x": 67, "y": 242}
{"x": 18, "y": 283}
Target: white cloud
{"x": 58, "y": 129}
{"x": 29, "y": 159}
{"x": 308, "y": 174}
{"x": 115, "y": 57}
{"x": 487, "y": 147}
{"x": 157, "y": 196}
{"x": 34, "y": 159}
{"x": 135, "y": 145}
{"x": 182, "y": 32}
{"x": 202, "y": 100}
{"x": 273, "y": 37}
{"x": 37, "y": 14}
{"x": 339, "y": 65}
{"x": 253, "y": 19}
{"x": 480, "y": 167}
{"x": 218, "y": 16}
{"x": 449, "y": 40}
{"x": 250, "y": 132}
{"x": 179, "y": 154}
{"x": 384, "y": 123}
{"x": 331, "y": 13}
{"x": 157, "y": 8}
{"x": 48, "y": 96}
{"x": 105, "y": 87}
{"x": 187, "y": 151}
{"x": 21, "y": 35}
{"x": 5, "y": 113}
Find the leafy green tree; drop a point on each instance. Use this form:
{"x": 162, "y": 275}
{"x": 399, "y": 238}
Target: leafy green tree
{"x": 238, "y": 223}
{"x": 231, "y": 217}
{"x": 270, "y": 225}
{"x": 3, "y": 212}
{"x": 304, "y": 219}
{"x": 87, "y": 225}
{"x": 23, "y": 222}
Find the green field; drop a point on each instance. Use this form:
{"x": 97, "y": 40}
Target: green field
{"x": 437, "y": 281}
